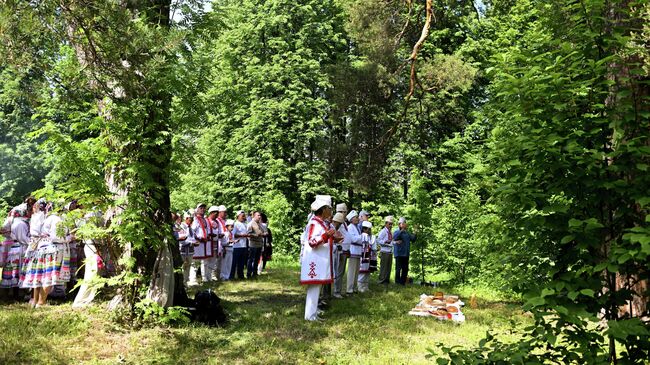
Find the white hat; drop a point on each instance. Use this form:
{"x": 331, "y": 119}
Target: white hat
{"x": 341, "y": 208}
{"x": 230, "y": 222}
{"x": 388, "y": 219}
{"x": 321, "y": 201}
{"x": 191, "y": 211}
{"x": 402, "y": 220}
{"x": 239, "y": 212}
{"x": 222, "y": 208}
{"x": 200, "y": 205}
{"x": 339, "y": 218}
{"x": 213, "y": 208}
{"x": 352, "y": 214}
{"x": 20, "y": 210}
{"x": 363, "y": 212}
{"x": 366, "y": 224}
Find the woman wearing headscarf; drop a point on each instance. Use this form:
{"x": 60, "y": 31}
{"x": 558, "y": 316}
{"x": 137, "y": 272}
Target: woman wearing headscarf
{"x": 20, "y": 240}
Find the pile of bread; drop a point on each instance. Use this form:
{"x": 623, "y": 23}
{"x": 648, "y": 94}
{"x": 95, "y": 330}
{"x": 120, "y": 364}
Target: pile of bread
{"x": 441, "y": 306}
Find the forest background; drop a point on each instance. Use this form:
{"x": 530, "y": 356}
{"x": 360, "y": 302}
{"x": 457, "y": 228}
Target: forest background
{"x": 513, "y": 134}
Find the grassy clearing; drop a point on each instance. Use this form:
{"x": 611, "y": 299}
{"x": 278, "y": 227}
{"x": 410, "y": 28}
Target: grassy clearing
{"x": 266, "y": 327}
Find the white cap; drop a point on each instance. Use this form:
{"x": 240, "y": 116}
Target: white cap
{"x": 366, "y": 224}
{"x": 221, "y": 208}
{"x": 342, "y": 208}
{"x": 352, "y": 214}
{"x": 239, "y": 212}
{"x": 339, "y": 218}
{"x": 363, "y": 212}
{"x": 200, "y": 205}
{"x": 187, "y": 215}
{"x": 402, "y": 220}
{"x": 230, "y": 222}
{"x": 388, "y": 219}
{"x": 213, "y": 208}
{"x": 321, "y": 201}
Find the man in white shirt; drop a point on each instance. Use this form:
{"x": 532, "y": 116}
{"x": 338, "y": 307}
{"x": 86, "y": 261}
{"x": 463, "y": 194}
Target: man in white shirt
{"x": 240, "y": 250}
{"x": 385, "y": 242}
{"x": 356, "y": 247}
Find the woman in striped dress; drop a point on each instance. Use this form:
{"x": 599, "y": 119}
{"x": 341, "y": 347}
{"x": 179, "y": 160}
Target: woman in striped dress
{"x": 49, "y": 265}
{"x": 19, "y": 241}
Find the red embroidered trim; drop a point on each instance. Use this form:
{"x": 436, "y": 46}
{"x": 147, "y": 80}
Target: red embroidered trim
{"x": 313, "y": 282}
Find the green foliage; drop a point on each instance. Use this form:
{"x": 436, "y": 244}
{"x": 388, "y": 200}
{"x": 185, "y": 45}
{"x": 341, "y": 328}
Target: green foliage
{"x": 571, "y": 130}
{"x": 266, "y": 109}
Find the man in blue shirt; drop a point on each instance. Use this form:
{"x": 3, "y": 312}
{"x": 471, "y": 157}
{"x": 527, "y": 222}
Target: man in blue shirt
{"x": 402, "y": 239}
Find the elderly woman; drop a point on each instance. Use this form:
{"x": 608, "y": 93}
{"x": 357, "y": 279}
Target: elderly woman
{"x": 316, "y": 264}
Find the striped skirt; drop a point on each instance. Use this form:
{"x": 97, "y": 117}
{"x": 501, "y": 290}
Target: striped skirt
{"x": 49, "y": 265}
{"x": 4, "y": 250}
{"x": 12, "y": 266}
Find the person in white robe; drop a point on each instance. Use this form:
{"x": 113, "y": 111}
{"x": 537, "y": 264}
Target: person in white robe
{"x": 316, "y": 264}
{"x": 203, "y": 246}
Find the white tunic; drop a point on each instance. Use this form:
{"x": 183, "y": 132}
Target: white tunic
{"x": 385, "y": 240}
{"x": 356, "y": 247}
{"x": 216, "y": 242}
{"x": 20, "y": 231}
{"x": 201, "y": 230}
{"x": 36, "y": 224}
{"x": 316, "y": 264}
{"x": 222, "y": 232}
{"x": 345, "y": 244}
{"x": 239, "y": 228}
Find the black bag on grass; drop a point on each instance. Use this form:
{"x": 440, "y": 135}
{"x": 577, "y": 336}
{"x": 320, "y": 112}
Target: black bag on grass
{"x": 208, "y": 308}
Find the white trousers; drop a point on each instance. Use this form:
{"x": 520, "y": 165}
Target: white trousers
{"x": 226, "y": 264}
{"x": 207, "y": 268}
{"x": 311, "y": 305}
{"x": 363, "y": 281}
{"x": 353, "y": 274}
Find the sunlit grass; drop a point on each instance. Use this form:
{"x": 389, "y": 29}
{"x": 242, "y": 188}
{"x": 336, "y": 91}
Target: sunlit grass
{"x": 266, "y": 327}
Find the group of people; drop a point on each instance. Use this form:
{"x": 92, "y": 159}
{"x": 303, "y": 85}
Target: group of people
{"x": 221, "y": 248}
{"x": 330, "y": 242}
{"x": 37, "y": 253}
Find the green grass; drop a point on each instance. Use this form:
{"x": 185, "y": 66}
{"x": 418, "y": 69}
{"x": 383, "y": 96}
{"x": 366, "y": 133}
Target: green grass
{"x": 266, "y": 327}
